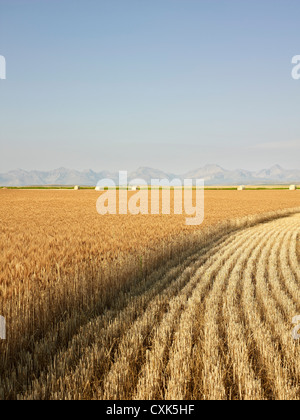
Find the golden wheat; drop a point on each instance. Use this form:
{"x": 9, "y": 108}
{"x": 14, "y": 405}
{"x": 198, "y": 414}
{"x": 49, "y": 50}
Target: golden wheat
{"x": 145, "y": 308}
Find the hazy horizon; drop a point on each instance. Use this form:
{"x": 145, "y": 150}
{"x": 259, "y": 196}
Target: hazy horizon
{"x": 115, "y": 170}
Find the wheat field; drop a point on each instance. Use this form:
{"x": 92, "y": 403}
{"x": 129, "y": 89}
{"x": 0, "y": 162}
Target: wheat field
{"x": 207, "y": 315}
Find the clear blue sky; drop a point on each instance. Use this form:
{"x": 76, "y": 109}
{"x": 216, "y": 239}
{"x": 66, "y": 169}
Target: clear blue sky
{"x": 172, "y": 84}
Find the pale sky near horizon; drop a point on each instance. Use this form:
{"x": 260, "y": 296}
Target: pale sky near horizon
{"x": 171, "y": 84}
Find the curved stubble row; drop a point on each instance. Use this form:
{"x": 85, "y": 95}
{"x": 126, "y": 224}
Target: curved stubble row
{"x": 269, "y": 326}
{"x": 216, "y": 327}
{"x": 173, "y": 370}
{"x": 212, "y": 357}
{"x": 168, "y": 369}
{"x": 198, "y": 366}
{"x": 92, "y": 351}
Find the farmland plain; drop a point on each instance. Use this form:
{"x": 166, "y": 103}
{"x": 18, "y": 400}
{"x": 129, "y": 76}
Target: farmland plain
{"x": 121, "y": 306}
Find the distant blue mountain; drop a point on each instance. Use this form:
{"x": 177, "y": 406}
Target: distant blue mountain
{"x": 212, "y": 174}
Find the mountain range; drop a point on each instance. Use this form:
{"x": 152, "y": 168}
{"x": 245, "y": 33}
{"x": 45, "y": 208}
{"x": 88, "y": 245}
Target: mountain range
{"x": 212, "y": 174}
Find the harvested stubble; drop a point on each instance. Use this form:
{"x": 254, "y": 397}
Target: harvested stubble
{"x": 213, "y": 320}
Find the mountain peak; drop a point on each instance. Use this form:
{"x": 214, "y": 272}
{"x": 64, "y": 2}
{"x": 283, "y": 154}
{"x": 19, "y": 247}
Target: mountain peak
{"x": 276, "y": 168}
{"x": 212, "y": 166}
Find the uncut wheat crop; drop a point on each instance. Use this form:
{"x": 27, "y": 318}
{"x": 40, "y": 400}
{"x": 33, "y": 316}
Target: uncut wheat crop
{"x": 144, "y": 307}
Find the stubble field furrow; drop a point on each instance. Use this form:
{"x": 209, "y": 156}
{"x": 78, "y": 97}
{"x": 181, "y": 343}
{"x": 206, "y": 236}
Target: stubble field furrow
{"x": 212, "y": 327}
{"x": 263, "y": 324}
{"x": 155, "y": 375}
{"x": 190, "y": 328}
{"x": 123, "y": 307}
{"x": 126, "y": 358}
{"x": 106, "y": 331}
